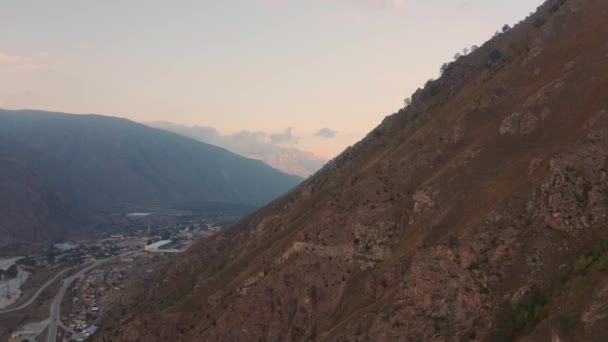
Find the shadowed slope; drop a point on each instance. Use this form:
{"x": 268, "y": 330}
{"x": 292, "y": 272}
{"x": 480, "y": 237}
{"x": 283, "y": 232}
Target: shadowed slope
{"x": 100, "y": 164}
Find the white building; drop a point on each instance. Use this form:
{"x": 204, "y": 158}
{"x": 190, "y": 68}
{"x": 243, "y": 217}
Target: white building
{"x": 65, "y": 246}
{"x": 155, "y": 246}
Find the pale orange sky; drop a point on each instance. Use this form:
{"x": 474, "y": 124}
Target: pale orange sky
{"x": 259, "y": 65}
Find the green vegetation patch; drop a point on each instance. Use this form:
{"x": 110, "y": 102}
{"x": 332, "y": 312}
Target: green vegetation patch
{"x": 595, "y": 254}
{"x": 216, "y": 268}
{"x": 175, "y": 297}
{"x": 532, "y": 308}
{"x": 602, "y": 263}
{"x": 567, "y": 322}
{"x": 524, "y": 315}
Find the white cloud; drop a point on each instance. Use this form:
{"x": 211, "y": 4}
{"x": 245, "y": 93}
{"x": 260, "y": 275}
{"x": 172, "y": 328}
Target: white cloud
{"x": 30, "y": 66}
{"x": 14, "y": 63}
{"x": 326, "y": 133}
{"x": 6, "y": 58}
{"x": 286, "y": 137}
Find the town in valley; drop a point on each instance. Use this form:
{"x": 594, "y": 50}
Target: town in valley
{"x": 57, "y": 292}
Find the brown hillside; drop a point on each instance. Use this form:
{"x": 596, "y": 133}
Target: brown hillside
{"x": 437, "y": 226}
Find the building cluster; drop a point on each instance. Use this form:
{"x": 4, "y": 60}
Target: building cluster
{"x": 83, "y": 333}
{"x": 52, "y": 257}
{"x": 21, "y": 335}
{"x": 87, "y": 292}
{"x": 100, "y": 288}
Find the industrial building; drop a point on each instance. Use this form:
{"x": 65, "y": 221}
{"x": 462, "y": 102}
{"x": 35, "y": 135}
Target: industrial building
{"x": 65, "y": 246}
{"x": 157, "y": 245}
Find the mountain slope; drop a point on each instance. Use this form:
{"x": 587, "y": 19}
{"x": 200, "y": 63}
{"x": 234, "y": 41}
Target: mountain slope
{"x": 109, "y": 165}
{"x": 288, "y": 160}
{"x": 463, "y": 217}
{"x": 29, "y": 209}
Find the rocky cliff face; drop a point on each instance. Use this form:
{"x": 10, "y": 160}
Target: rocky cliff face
{"x": 478, "y": 213}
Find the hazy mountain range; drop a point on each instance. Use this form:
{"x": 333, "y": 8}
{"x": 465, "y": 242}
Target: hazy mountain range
{"x": 58, "y": 170}
{"x": 254, "y": 145}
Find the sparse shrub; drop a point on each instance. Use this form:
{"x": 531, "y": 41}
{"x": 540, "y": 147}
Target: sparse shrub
{"x": 213, "y": 270}
{"x": 407, "y": 102}
{"x": 503, "y": 334}
{"x": 602, "y": 264}
{"x": 524, "y": 316}
{"x": 587, "y": 187}
{"x": 175, "y": 297}
{"x": 378, "y": 132}
{"x": 530, "y": 310}
{"x": 556, "y": 6}
{"x": 473, "y": 266}
{"x": 494, "y": 56}
{"x": 433, "y": 88}
{"x": 539, "y": 21}
{"x": 600, "y": 248}
{"x": 567, "y": 322}
{"x": 596, "y": 253}
{"x": 582, "y": 264}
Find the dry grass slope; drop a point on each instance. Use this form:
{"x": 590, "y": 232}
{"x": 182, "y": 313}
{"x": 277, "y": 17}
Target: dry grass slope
{"x": 471, "y": 203}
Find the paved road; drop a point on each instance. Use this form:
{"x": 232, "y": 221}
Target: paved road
{"x": 40, "y": 290}
{"x": 56, "y": 306}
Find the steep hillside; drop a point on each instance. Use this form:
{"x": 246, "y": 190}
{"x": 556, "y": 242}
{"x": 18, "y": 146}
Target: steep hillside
{"x": 29, "y": 209}
{"x": 58, "y": 167}
{"x": 288, "y": 160}
{"x": 477, "y": 213}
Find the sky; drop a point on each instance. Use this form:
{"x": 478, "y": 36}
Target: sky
{"x": 321, "y": 73}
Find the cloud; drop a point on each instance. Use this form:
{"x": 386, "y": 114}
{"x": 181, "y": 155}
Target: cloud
{"x": 43, "y": 54}
{"x": 30, "y": 67}
{"x": 267, "y": 146}
{"x": 15, "y": 63}
{"x": 6, "y": 58}
{"x": 286, "y": 137}
{"x": 244, "y": 142}
{"x": 326, "y": 133}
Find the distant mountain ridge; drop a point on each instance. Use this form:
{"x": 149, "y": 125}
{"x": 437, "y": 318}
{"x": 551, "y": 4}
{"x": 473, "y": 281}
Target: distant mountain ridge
{"x": 287, "y": 159}
{"x": 74, "y": 165}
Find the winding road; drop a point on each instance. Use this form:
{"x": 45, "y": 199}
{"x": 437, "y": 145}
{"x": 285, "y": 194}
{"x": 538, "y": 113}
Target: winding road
{"x": 65, "y": 284}
{"x": 42, "y": 288}
{"x": 56, "y": 306}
